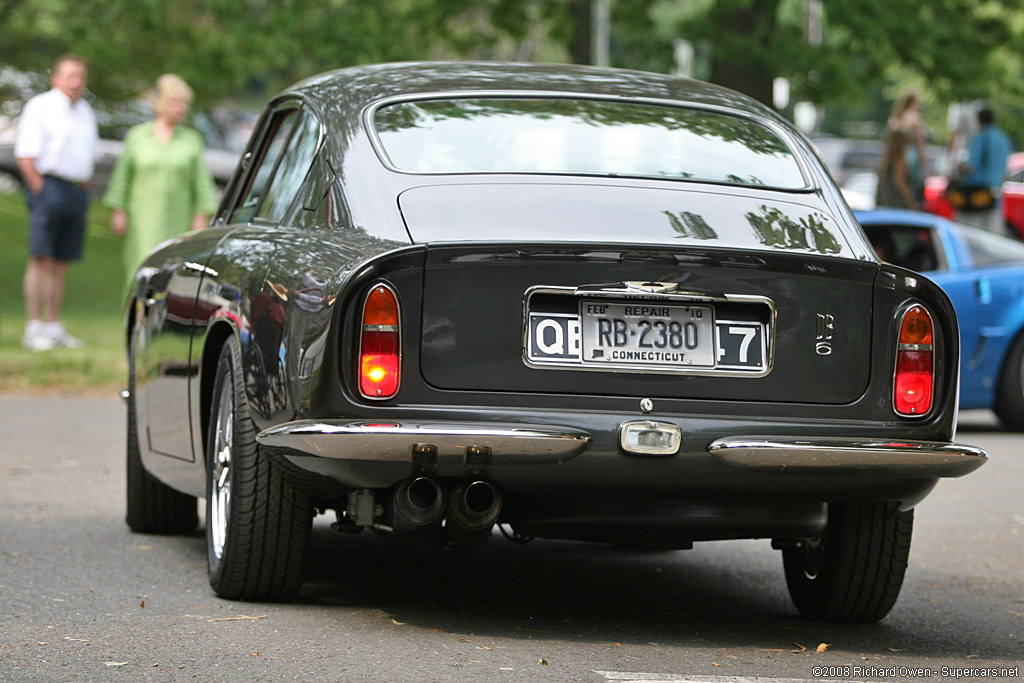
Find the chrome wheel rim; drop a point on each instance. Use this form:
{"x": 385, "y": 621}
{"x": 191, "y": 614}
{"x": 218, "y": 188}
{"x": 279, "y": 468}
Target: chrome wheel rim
{"x": 220, "y": 473}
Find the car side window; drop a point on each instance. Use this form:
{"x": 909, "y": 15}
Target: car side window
{"x": 291, "y": 170}
{"x": 905, "y": 246}
{"x": 267, "y": 156}
{"x": 988, "y": 249}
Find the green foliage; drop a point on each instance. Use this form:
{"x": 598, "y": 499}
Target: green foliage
{"x": 952, "y": 49}
{"x": 956, "y": 46}
{"x": 230, "y": 47}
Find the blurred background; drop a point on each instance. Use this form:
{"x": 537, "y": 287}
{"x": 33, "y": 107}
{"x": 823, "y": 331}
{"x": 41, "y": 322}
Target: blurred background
{"x": 834, "y": 69}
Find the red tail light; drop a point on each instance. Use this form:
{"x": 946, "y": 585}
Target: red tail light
{"x": 379, "y": 357}
{"x": 915, "y": 369}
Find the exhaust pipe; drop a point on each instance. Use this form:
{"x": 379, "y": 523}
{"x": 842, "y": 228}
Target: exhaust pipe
{"x": 472, "y": 511}
{"x": 419, "y": 506}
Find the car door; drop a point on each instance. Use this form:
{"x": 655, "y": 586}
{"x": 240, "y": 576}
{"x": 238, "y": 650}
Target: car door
{"x": 199, "y": 279}
{"x": 987, "y": 289}
{"x": 255, "y": 260}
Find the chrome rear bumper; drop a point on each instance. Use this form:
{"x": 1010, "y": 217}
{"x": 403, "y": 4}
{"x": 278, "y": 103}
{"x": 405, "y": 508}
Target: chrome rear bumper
{"x": 824, "y": 455}
{"x": 441, "y": 442}
{"x": 463, "y": 443}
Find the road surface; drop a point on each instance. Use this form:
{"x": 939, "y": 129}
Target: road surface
{"x": 82, "y": 598}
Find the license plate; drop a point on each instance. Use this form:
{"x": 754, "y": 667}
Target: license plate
{"x": 647, "y": 337}
{"x": 647, "y": 333}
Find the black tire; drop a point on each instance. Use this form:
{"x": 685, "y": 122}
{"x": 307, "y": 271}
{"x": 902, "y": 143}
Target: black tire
{"x": 855, "y": 571}
{"x": 152, "y": 506}
{"x": 257, "y": 525}
{"x": 1009, "y": 405}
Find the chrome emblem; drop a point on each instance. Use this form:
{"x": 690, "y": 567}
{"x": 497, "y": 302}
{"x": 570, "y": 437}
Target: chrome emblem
{"x": 652, "y": 287}
{"x": 646, "y": 405}
{"x": 823, "y": 340}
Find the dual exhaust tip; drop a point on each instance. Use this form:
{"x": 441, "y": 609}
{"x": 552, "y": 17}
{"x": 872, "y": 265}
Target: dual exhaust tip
{"x": 467, "y": 513}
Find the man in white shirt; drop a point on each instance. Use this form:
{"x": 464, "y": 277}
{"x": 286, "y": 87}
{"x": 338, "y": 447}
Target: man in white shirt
{"x": 55, "y": 150}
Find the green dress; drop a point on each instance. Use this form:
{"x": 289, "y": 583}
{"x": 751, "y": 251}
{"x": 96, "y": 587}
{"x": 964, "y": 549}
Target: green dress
{"x": 161, "y": 186}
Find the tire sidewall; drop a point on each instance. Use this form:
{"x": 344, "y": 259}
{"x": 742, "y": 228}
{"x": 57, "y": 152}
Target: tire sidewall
{"x": 134, "y": 470}
{"x": 863, "y": 560}
{"x": 1009, "y": 405}
{"x": 226, "y": 380}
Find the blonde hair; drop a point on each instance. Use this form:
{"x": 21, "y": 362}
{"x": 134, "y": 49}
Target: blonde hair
{"x": 907, "y": 100}
{"x": 168, "y": 87}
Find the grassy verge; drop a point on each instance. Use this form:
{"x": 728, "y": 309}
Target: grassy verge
{"x": 92, "y": 311}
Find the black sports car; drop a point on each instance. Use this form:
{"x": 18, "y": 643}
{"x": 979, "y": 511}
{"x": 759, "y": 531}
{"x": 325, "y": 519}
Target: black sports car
{"x": 580, "y": 303}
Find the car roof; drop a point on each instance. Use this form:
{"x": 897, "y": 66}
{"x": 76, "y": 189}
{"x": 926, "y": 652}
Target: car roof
{"x": 342, "y": 90}
{"x": 917, "y": 219}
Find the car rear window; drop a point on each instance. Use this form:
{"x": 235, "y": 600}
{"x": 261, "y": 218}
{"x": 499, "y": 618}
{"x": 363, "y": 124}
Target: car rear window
{"x": 583, "y": 136}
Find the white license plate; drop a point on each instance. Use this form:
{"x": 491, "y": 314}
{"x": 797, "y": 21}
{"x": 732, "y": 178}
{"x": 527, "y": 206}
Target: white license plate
{"x": 647, "y": 334}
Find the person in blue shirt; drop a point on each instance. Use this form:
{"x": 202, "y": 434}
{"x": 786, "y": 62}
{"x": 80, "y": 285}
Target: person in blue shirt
{"x": 987, "y": 151}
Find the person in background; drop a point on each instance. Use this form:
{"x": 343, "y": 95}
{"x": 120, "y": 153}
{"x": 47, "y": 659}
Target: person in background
{"x": 161, "y": 185}
{"x": 962, "y": 123}
{"x": 987, "y": 151}
{"x": 906, "y": 117}
{"x": 894, "y": 188}
{"x": 55, "y": 150}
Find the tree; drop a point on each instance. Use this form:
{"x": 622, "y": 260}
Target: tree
{"x": 957, "y": 48}
{"x": 947, "y": 44}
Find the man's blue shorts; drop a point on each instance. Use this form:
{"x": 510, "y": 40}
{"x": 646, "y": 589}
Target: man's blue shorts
{"x": 57, "y": 219}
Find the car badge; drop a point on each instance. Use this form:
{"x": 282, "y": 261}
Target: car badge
{"x": 823, "y": 337}
{"x": 652, "y": 287}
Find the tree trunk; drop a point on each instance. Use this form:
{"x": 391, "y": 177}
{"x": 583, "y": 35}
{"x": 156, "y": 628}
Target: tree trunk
{"x": 580, "y": 11}
{"x": 745, "y": 65}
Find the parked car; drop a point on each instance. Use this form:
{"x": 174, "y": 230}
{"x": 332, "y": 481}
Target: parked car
{"x": 579, "y": 303}
{"x": 860, "y": 190}
{"x": 1012, "y": 196}
{"x": 935, "y": 201}
{"x": 983, "y": 274}
{"x": 221, "y": 154}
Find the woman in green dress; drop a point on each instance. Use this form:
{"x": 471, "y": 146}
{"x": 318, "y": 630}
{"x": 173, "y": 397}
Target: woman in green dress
{"x": 161, "y": 186}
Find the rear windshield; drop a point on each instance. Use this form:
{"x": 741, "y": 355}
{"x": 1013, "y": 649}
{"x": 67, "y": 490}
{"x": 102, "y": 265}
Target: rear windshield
{"x": 547, "y": 135}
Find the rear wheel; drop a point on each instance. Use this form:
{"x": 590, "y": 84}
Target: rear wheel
{"x": 854, "y": 572}
{"x": 152, "y": 506}
{"x": 257, "y": 525}
{"x": 1009, "y": 406}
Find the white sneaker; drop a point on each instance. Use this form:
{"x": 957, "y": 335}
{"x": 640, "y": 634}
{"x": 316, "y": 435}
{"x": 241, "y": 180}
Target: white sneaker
{"x": 60, "y": 337}
{"x": 36, "y": 337}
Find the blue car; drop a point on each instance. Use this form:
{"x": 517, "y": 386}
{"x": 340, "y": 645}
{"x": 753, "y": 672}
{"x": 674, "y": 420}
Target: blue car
{"x": 983, "y": 274}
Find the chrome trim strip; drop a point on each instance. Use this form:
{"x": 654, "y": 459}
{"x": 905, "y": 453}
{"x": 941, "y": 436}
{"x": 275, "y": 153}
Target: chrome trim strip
{"x": 915, "y": 347}
{"x": 370, "y": 112}
{"x": 846, "y": 455}
{"x": 677, "y": 296}
{"x": 448, "y": 442}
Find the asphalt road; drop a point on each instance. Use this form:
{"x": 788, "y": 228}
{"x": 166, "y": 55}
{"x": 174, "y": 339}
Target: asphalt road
{"x": 82, "y": 598}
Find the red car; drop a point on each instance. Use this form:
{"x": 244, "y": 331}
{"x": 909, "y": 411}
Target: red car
{"x": 1013, "y": 196}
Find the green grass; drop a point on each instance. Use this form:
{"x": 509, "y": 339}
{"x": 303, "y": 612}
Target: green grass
{"x": 92, "y": 310}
